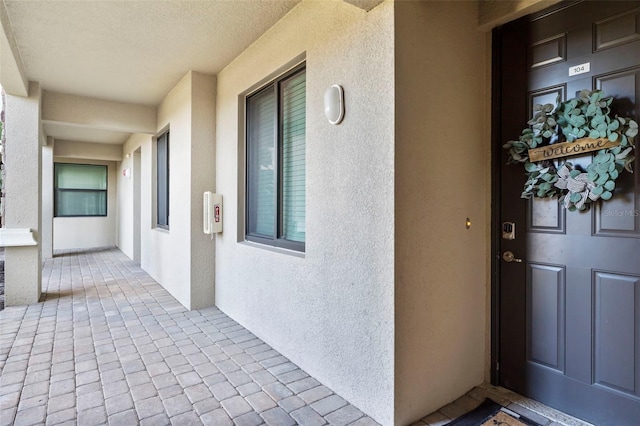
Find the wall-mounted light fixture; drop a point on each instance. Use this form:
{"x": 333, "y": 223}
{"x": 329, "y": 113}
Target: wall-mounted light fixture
{"x": 334, "y": 104}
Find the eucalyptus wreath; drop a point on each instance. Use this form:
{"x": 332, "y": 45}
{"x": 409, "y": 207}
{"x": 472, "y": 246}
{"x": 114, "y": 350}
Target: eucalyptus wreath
{"x": 587, "y": 115}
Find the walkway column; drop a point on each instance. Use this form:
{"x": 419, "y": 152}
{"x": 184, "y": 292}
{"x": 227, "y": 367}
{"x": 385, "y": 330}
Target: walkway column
{"x": 47, "y": 200}
{"x": 23, "y": 187}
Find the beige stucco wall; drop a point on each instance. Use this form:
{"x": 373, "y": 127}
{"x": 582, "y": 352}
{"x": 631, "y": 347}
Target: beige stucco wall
{"x": 95, "y": 113}
{"x": 331, "y": 311}
{"x": 84, "y": 150}
{"x": 442, "y": 159}
{"x": 180, "y": 258}
{"x": 23, "y": 195}
{"x": 167, "y": 253}
{"x": 88, "y": 232}
{"x": 124, "y": 230}
{"x": 127, "y": 228}
{"x": 47, "y": 201}
{"x": 203, "y": 178}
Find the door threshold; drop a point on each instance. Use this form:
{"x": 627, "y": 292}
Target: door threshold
{"x": 534, "y": 410}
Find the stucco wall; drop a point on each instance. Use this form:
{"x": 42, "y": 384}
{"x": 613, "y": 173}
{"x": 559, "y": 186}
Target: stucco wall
{"x": 127, "y": 228}
{"x": 23, "y": 186}
{"x": 166, "y": 255}
{"x": 441, "y": 177}
{"x": 88, "y": 232}
{"x": 84, "y": 150}
{"x": 331, "y": 311}
{"x": 47, "y": 202}
{"x": 126, "y": 201}
{"x": 203, "y": 178}
{"x": 180, "y": 258}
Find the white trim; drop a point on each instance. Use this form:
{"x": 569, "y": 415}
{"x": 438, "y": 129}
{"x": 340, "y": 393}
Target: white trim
{"x": 17, "y": 237}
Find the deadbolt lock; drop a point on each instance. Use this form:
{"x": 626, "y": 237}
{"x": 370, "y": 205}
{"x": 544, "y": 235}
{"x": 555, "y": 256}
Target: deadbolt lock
{"x": 509, "y": 231}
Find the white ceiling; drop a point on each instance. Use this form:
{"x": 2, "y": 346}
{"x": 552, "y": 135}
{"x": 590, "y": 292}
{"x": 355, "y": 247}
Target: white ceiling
{"x": 133, "y": 51}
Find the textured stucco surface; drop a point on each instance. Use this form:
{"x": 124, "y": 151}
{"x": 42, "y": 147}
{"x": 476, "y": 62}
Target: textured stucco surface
{"x": 23, "y": 186}
{"x": 12, "y": 74}
{"x": 180, "y": 258}
{"x": 125, "y": 205}
{"x": 87, "y": 151}
{"x": 442, "y": 159}
{"x": 166, "y": 254}
{"x": 88, "y": 232}
{"x": 137, "y": 50}
{"x": 137, "y": 205}
{"x": 127, "y": 193}
{"x": 331, "y": 311}
{"x": 89, "y": 112}
{"x": 72, "y": 120}
{"x": 47, "y": 202}
{"x": 203, "y": 178}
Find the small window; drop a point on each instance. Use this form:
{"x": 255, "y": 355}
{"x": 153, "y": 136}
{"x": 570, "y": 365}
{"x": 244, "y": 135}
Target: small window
{"x": 163, "y": 180}
{"x": 276, "y": 162}
{"x": 80, "y": 190}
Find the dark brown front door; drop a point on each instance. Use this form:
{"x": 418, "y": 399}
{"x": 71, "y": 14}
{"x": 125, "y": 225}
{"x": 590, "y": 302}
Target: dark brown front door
{"x": 568, "y": 315}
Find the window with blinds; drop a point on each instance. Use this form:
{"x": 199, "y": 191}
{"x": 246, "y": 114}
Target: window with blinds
{"x": 162, "y": 184}
{"x": 276, "y": 162}
{"x": 80, "y": 190}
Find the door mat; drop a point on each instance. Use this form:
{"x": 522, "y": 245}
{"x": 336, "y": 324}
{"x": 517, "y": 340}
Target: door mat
{"x": 490, "y": 413}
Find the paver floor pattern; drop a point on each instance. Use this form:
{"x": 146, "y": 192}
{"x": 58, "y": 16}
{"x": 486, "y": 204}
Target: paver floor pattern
{"x": 109, "y": 345}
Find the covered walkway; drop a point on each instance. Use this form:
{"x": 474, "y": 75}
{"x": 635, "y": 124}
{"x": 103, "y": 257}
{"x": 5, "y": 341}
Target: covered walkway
{"x": 110, "y": 346}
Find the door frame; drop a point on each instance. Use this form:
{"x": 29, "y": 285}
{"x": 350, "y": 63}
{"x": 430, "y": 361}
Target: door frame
{"x": 496, "y": 176}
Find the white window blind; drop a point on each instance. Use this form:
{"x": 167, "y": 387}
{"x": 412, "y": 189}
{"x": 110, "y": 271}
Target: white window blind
{"x": 80, "y": 190}
{"x": 261, "y": 170}
{"x": 276, "y": 162}
{"x": 162, "y": 171}
{"x": 293, "y": 157}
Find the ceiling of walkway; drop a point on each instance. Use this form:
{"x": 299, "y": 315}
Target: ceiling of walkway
{"x": 125, "y": 51}
{"x": 133, "y": 51}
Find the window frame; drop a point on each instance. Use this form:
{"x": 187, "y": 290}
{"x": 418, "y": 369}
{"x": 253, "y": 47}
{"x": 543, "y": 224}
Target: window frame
{"x": 56, "y": 190}
{"x": 164, "y": 224}
{"x": 278, "y": 241}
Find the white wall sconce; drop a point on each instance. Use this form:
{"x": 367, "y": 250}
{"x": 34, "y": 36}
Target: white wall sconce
{"x": 127, "y": 173}
{"x": 334, "y": 104}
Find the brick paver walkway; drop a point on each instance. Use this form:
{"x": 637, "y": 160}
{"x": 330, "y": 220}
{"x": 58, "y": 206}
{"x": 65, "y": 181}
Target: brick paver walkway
{"x": 110, "y": 346}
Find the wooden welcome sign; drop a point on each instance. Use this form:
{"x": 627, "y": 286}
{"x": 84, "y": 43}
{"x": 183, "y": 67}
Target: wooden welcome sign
{"x": 567, "y": 149}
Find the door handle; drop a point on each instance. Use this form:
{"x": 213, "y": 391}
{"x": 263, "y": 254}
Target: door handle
{"x": 508, "y": 256}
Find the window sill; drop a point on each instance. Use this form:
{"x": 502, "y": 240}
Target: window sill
{"x": 273, "y": 249}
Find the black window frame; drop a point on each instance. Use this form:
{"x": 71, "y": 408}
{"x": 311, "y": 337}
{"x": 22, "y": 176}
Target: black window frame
{"x": 277, "y": 240}
{"x": 57, "y": 190}
{"x": 162, "y": 180}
